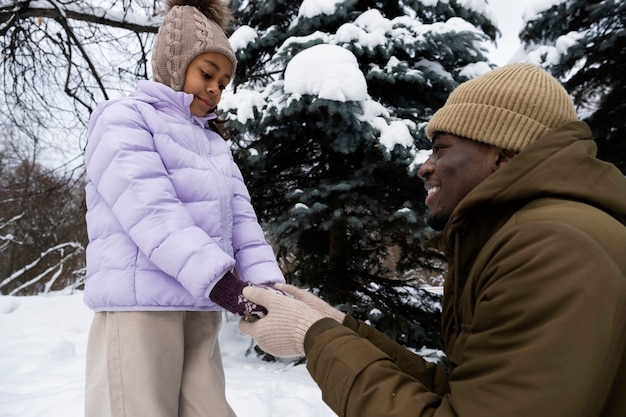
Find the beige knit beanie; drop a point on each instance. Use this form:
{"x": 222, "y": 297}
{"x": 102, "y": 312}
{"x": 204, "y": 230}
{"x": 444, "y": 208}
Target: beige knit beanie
{"x": 509, "y": 107}
{"x": 190, "y": 28}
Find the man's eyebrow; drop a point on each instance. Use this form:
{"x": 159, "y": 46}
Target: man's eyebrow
{"x": 436, "y": 137}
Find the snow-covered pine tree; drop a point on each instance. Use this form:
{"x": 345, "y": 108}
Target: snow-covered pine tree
{"x": 583, "y": 43}
{"x": 333, "y": 177}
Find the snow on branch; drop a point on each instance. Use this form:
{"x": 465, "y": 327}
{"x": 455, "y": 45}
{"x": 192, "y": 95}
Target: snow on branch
{"x": 58, "y": 266}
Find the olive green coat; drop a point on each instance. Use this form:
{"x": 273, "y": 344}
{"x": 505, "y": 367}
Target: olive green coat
{"x": 534, "y": 306}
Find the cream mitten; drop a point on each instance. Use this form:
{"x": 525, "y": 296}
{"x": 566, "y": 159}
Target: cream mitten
{"x": 281, "y": 332}
{"x": 312, "y": 301}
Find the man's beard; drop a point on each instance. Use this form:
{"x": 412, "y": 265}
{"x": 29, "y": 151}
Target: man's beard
{"x": 438, "y": 221}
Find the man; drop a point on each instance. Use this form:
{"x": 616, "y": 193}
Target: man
{"x": 534, "y": 307}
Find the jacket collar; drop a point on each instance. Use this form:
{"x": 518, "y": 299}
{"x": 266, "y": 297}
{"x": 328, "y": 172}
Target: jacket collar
{"x": 167, "y": 100}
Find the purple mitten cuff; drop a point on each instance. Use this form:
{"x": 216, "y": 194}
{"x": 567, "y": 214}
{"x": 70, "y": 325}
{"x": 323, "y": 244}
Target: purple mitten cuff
{"x": 228, "y": 294}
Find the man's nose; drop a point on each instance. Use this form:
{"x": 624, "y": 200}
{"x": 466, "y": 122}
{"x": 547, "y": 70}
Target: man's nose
{"x": 426, "y": 169}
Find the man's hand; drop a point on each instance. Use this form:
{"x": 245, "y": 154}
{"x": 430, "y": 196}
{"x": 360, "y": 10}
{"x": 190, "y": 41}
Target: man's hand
{"x": 280, "y": 333}
{"x": 312, "y": 301}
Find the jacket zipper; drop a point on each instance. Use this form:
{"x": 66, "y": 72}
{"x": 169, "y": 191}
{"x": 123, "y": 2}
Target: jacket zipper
{"x": 217, "y": 173}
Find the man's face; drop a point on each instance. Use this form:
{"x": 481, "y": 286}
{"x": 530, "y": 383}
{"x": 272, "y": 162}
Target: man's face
{"x": 456, "y": 166}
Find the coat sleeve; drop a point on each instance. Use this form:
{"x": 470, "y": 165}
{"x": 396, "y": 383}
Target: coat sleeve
{"x": 363, "y": 373}
{"x": 129, "y": 175}
{"x": 256, "y": 261}
{"x": 428, "y": 373}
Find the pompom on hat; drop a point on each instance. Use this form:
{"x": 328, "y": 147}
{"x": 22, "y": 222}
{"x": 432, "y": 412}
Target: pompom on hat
{"x": 190, "y": 28}
{"x": 509, "y": 107}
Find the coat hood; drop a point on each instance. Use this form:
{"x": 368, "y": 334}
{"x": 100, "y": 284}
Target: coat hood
{"x": 561, "y": 164}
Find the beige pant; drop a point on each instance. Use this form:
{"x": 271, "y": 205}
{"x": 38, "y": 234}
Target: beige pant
{"x": 155, "y": 364}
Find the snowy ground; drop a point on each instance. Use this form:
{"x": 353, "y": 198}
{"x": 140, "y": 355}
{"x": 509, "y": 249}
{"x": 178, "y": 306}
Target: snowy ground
{"x": 43, "y": 341}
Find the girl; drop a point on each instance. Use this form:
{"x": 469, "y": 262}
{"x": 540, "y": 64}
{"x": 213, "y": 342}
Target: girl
{"x": 169, "y": 218}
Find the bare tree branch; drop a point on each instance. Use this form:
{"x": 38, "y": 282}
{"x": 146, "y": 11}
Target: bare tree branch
{"x": 63, "y": 57}
{"x": 12, "y": 11}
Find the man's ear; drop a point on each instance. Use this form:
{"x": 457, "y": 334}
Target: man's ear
{"x": 503, "y": 156}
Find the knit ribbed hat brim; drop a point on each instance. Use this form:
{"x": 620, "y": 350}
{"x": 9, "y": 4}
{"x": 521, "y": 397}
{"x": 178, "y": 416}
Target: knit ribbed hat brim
{"x": 509, "y": 107}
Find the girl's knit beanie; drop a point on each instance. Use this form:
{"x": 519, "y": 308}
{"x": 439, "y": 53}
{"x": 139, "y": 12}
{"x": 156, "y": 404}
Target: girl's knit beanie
{"x": 190, "y": 28}
{"x": 509, "y": 107}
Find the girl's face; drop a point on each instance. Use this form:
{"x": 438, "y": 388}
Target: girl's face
{"x": 206, "y": 77}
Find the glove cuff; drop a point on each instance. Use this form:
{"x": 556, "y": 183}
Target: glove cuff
{"x": 227, "y": 290}
{"x": 228, "y": 293}
{"x": 317, "y": 329}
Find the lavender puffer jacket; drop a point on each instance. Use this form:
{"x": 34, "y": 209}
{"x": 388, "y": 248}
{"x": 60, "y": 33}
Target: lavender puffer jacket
{"x": 168, "y": 213}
